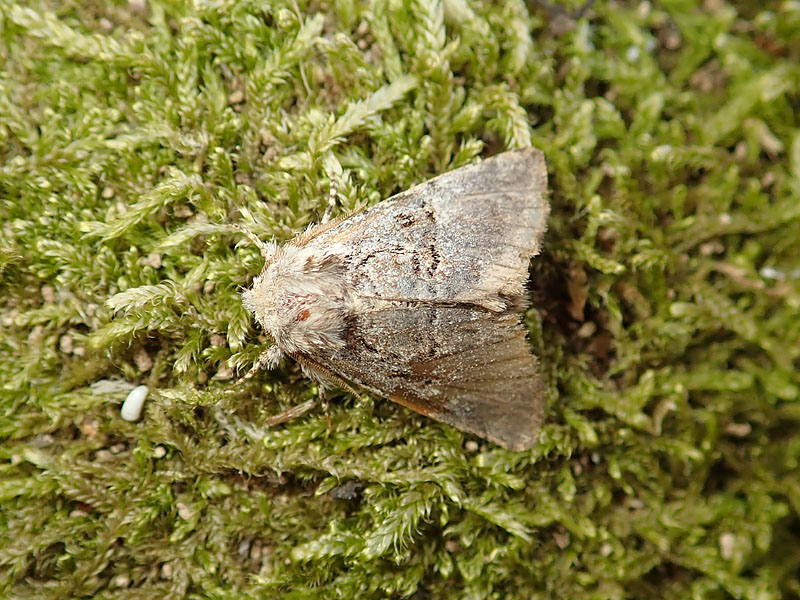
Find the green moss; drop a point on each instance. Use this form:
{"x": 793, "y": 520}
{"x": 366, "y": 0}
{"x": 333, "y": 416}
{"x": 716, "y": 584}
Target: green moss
{"x": 665, "y": 303}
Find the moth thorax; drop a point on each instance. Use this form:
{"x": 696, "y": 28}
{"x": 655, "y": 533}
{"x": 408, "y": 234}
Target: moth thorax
{"x": 301, "y": 301}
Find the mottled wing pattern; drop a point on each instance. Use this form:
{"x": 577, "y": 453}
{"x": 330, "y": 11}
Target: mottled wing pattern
{"x": 465, "y": 366}
{"x": 465, "y": 236}
{"x": 438, "y": 274}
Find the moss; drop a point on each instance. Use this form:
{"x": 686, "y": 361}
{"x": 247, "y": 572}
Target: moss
{"x": 665, "y": 302}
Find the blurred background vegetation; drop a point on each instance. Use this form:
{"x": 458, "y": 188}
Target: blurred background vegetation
{"x": 665, "y": 303}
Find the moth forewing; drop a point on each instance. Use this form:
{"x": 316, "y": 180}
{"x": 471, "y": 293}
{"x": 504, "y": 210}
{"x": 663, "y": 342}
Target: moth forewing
{"x": 419, "y": 298}
{"x": 468, "y": 367}
{"x": 465, "y": 236}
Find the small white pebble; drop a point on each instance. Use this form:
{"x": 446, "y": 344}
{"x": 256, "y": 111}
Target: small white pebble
{"x": 218, "y": 340}
{"x": 65, "y": 344}
{"x": 137, "y": 7}
{"x": 727, "y": 545}
{"x": 772, "y": 273}
{"x": 103, "y": 455}
{"x": 662, "y": 153}
{"x": 184, "y": 511}
{"x": 142, "y": 360}
{"x": 255, "y": 551}
{"x": 562, "y": 539}
{"x": 132, "y": 407}
{"x": 182, "y": 211}
{"x": 159, "y": 452}
{"x": 48, "y": 294}
{"x": 633, "y": 53}
{"x": 738, "y": 429}
{"x": 43, "y": 441}
{"x": 8, "y": 317}
{"x": 151, "y": 260}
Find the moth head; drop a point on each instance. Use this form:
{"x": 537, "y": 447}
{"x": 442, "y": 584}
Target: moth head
{"x": 300, "y": 299}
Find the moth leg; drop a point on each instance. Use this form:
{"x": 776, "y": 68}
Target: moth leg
{"x": 268, "y": 359}
{"x": 334, "y": 179}
{"x": 267, "y": 252}
{"x": 323, "y": 397}
{"x": 291, "y": 413}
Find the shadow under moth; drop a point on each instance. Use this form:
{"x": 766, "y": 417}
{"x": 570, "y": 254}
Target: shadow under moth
{"x": 419, "y": 299}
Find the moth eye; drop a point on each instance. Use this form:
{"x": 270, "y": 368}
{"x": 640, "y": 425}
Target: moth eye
{"x": 303, "y": 315}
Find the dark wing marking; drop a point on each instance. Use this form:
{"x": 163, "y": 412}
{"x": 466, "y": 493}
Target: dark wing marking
{"x": 435, "y": 278}
{"x": 465, "y": 236}
{"x": 465, "y": 366}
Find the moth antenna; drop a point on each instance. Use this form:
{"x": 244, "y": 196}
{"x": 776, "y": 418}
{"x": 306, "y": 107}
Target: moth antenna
{"x": 267, "y": 250}
{"x": 334, "y": 179}
{"x": 269, "y": 358}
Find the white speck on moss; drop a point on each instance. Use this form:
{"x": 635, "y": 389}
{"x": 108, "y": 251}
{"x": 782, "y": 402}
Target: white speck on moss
{"x": 133, "y": 404}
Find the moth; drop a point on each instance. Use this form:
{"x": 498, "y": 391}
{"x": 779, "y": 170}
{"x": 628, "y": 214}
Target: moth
{"x": 419, "y": 299}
